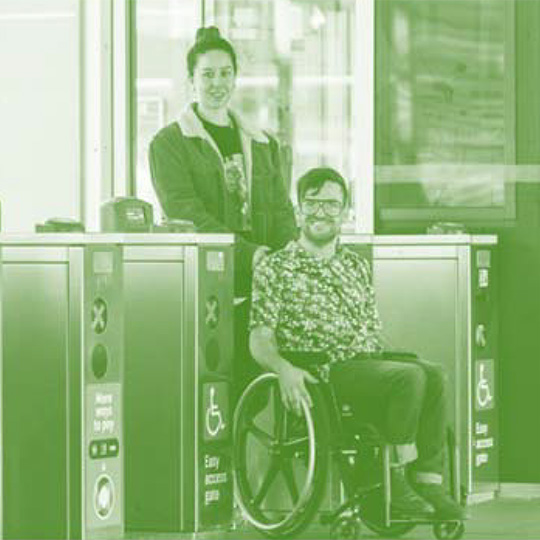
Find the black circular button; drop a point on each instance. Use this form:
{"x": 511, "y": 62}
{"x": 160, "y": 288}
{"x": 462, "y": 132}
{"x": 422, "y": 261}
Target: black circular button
{"x": 212, "y": 355}
{"x": 100, "y": 361}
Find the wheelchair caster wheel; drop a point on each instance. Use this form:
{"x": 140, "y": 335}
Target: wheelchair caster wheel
{"x": 449, "y": 530}
{"x": 346, "y": 528}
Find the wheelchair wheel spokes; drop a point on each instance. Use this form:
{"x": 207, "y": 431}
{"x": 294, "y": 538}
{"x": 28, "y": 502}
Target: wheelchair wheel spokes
{"x": 279, "y": 413}
{"x": 290, "y": 480}
{"x": 264, "y": 438}
{"x": 289, "y": 475}
{"x": 266, "y": 484}
{"x": 279, "y": 468}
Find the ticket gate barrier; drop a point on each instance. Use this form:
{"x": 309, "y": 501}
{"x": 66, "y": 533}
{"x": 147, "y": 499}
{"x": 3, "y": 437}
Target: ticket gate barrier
{"x": 437, "y": 296}
{"x": 179, "y": 348}
{"x": 62, "y": 362}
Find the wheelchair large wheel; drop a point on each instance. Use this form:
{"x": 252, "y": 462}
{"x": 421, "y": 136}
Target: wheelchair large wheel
{"x": 280, "y": 459}
{"x": 372, "y": 515}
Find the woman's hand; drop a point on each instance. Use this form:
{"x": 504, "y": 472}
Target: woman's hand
{"x": 292, "y": 383}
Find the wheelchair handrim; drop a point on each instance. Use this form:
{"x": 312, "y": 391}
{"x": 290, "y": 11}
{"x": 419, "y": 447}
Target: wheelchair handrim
{"x": 304, "y": 497}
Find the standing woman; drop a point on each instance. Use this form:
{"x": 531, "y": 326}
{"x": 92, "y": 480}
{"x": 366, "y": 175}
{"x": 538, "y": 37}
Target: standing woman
{"x": 212, "y": 168}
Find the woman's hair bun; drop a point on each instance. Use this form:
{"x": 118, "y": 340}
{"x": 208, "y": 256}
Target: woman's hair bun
{"x": 208, "y": 39}
{"x": 210, "y": 33}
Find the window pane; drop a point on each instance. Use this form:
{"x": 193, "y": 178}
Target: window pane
{"x": 296, "y": 62}
{"x": 295, "y": 79}
{"x": 443, "y": 129}
{"x": 165, "y": 32}
{"x": 39, "y": 139}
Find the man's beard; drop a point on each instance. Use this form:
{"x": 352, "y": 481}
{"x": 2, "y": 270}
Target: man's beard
{"x": 320, "y": 240}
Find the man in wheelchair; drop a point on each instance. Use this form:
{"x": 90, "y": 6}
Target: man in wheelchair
{"x": 314, "y": 298}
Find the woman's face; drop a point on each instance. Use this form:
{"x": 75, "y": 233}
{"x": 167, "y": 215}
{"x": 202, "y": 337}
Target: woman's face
{"x": 214, "y": 79}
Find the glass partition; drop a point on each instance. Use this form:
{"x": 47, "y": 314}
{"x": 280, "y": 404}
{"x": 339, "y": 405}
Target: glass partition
{"x": 39, "y": 111}
{"x": 296, "y": 75}
{"x": 444, "y": 109}
{"x": 165, "y": 30}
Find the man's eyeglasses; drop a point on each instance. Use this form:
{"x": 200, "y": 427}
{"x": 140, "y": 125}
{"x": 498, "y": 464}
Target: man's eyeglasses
{"x": 331, "y": 208}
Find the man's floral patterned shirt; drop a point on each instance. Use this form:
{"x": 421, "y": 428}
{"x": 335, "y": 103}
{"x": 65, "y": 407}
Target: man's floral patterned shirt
{"x": 315, "y": 304}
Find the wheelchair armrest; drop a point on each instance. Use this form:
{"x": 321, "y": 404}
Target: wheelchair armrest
{"x": 395, "y": 355}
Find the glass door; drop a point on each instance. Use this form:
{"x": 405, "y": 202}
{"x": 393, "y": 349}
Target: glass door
{"x": 444, "y": 110}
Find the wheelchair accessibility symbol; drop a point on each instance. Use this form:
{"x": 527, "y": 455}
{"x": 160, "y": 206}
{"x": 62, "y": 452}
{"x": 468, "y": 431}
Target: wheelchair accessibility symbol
{"x": 485, "y": 385}
{"x": 215, "y": 403}
{"x": 99, "y": 316}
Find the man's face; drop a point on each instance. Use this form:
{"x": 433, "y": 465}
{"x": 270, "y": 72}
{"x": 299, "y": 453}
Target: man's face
{"x": 214, "y": 79}
{"x": 322, "y": 213}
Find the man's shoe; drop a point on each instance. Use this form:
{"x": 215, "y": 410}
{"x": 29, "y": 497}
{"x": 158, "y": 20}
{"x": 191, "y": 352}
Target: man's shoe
{"x": 445, "y": 507}
{"x": 405, "y": 502}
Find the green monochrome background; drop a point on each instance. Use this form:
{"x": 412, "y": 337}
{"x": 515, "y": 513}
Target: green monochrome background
{"x": 455, "y": 134}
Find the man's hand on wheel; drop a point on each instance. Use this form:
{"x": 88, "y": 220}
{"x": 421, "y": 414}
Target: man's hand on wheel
{"x": 293, "y": 388}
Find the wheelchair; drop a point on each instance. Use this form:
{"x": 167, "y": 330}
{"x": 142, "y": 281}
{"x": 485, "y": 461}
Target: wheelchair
{"x": 282, "y": 462}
